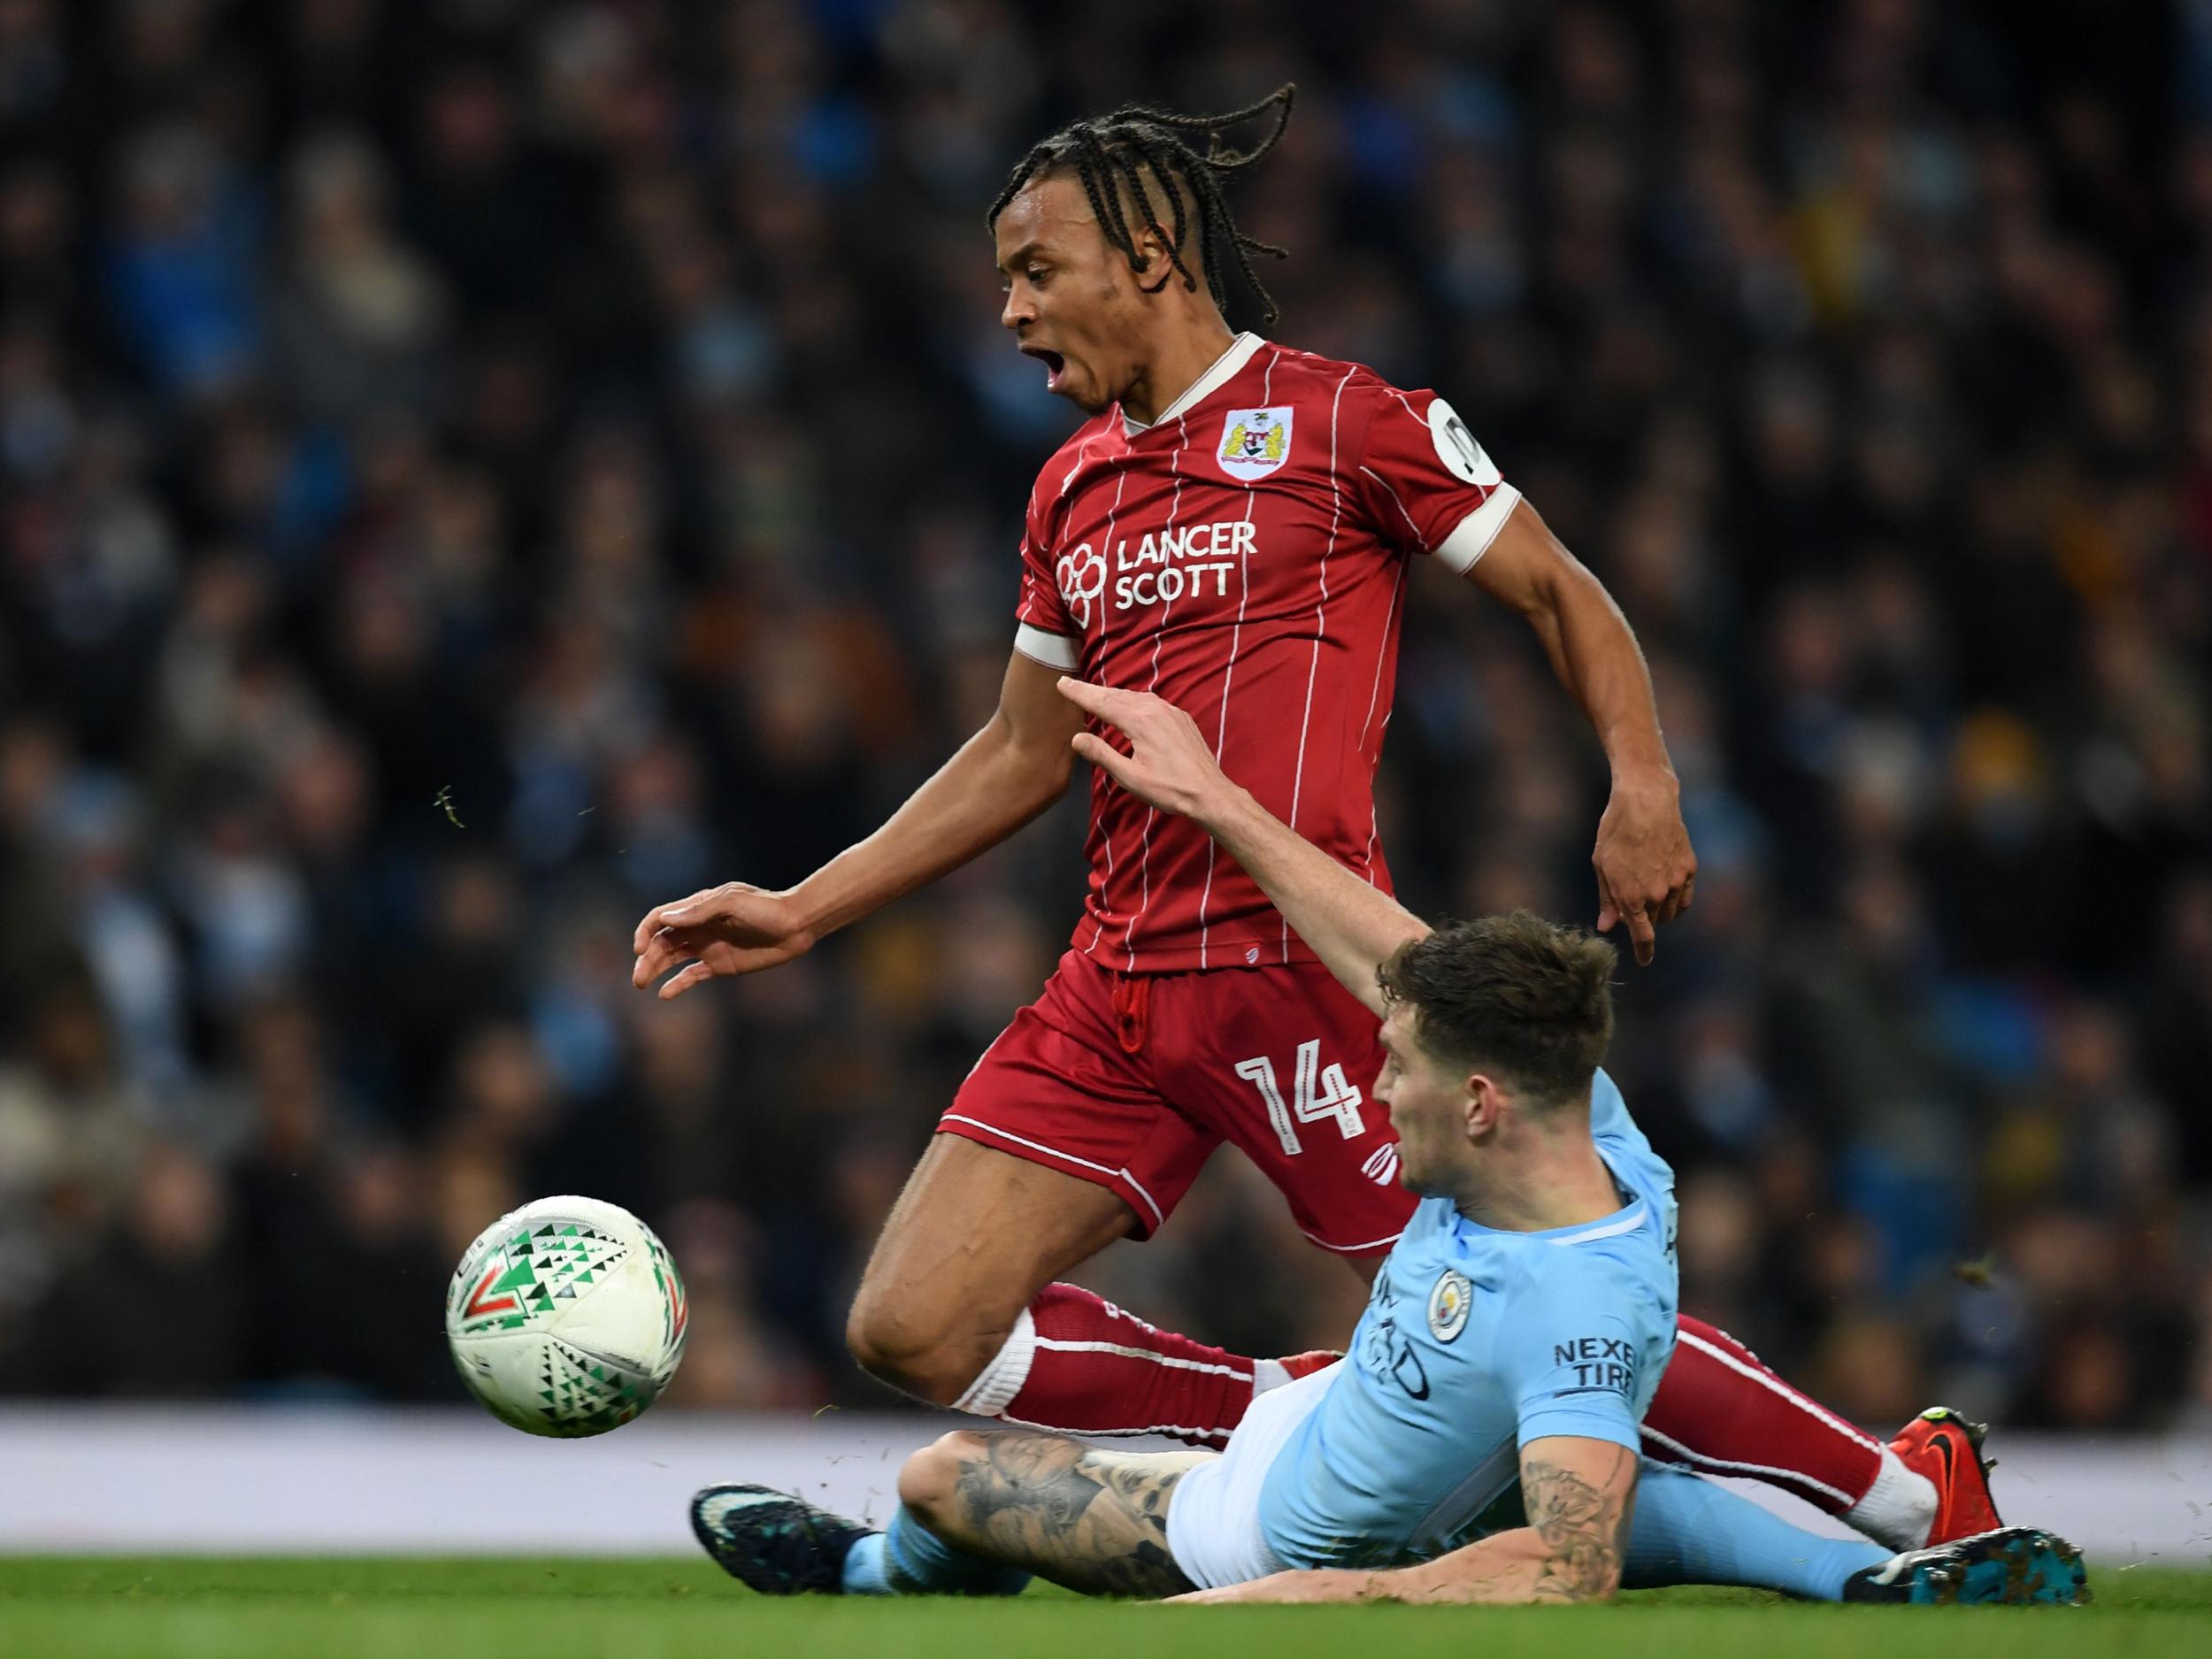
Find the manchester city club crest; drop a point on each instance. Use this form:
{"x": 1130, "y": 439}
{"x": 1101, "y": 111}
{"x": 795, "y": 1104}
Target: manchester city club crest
{"x": 1448, "y": 1305}
{"x": 1255, "y": 442}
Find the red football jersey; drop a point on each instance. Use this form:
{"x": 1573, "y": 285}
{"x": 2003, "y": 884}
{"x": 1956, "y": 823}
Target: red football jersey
{"x": 1245, "y": 557}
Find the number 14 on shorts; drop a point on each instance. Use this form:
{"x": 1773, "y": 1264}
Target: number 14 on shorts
{"x": 1318, "y": 1092}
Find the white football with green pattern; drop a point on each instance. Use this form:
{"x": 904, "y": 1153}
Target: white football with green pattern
{"x": 566, "y": 1316}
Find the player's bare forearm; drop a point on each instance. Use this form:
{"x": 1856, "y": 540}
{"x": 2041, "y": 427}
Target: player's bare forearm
{"x": 1646, "y": 872}
{"x": 1578, "y": 1496}
{"x": 1592, "y": 647}
{"x": 1003, "y": 777}
{"x": 999, "y": 781}
{"x": 1351, "y": 925}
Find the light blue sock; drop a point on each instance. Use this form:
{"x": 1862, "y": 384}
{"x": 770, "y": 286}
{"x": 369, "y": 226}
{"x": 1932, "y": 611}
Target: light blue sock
{"x": 1689, "y": 1531}
{"x": 906, "y": 1558}
{"x": 864, "y": 1568}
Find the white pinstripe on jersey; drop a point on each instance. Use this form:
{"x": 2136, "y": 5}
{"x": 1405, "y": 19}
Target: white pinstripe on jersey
{"x": 1228, "y": 675}
{"x": 1106, "y": 545}
{"x": 1320, "y": 618}
{"x": 1151, "y": 813}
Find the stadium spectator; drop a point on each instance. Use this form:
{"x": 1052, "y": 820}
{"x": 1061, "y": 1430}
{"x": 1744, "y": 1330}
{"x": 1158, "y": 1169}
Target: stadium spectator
{"x": 468, "y": 473}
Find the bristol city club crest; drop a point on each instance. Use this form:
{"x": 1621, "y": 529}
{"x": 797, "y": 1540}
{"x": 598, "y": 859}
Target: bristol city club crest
{"x": 1253, "y": 442}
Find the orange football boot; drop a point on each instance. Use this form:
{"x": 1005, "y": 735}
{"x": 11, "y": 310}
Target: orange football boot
{"x": 1948, "y": 1449}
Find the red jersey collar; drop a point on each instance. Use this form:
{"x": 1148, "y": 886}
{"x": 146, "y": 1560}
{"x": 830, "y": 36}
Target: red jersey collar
{"x": 1222, "y": 371}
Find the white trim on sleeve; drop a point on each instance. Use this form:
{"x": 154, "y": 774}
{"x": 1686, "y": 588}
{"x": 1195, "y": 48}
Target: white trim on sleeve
{"x": 1054, "y": 650}
{"x": 1478, "y": 529}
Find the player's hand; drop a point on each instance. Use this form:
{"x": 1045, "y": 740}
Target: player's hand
{"x": 1320, "y": 1584}
{"x": 1169, "y": 764}
{"x": 717, "y": 933}
{"x": 1646, "y": 872}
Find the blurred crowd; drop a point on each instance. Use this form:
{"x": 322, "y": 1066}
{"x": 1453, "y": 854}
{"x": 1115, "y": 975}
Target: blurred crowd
{"x": 471, "y": 470}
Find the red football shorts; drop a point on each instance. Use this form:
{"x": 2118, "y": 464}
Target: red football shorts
{"x": 1131, "y": 1080}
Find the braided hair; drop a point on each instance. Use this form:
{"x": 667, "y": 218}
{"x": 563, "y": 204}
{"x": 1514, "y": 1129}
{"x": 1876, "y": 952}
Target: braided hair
{"x": 1109, "y": 154}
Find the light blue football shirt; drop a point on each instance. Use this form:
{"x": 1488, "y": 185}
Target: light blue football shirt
{"x": 1474, "y": 1342}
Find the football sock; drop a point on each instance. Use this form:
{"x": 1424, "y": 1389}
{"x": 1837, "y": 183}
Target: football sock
{"x": 1720, "y": 1410}
{"x": 1078, "y": 1363}
{"x": 864, "y": 1568}
{"x": 1898, "y": 1509}
{"x": 906, "y": 1558}
{"x": 1689, "y": 1531}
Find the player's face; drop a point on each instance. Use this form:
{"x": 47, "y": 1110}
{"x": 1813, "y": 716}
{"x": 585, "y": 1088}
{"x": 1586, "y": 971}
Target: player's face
{"x": 1072, "y": 300}
{"x": 1428, "y": 1107}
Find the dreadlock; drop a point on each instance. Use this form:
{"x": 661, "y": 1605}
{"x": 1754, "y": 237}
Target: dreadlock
{"x": 1111, "y": 154}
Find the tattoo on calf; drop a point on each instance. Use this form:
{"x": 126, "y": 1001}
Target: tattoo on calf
{"x": 1093, "y": 1521}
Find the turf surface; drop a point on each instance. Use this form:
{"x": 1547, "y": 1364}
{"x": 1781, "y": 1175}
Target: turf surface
{"x": 181, "y": 1608}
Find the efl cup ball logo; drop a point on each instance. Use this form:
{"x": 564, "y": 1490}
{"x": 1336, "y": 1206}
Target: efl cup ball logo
{"x": 1082, "y": 579}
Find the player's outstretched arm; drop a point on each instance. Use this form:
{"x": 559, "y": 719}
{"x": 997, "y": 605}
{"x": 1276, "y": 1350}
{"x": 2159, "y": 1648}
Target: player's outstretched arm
{"x": 1349, "y": 924}
{"x": 1578, "y": 1495}
{"x": 1646, "y": 872}
{"x": 1002, "y": 778}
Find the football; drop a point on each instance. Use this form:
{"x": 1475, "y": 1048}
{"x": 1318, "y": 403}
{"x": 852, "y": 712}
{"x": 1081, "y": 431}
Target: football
{"x": 566, "y": 1316}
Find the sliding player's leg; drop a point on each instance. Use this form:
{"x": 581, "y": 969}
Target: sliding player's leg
{"x": 1685, "y": 1530}
{"x": 977, "y": 1515}
{"x": 1088, "y": 1519}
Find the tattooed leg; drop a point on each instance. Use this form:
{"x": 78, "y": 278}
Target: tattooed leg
{"x": 1093, "y": 1521}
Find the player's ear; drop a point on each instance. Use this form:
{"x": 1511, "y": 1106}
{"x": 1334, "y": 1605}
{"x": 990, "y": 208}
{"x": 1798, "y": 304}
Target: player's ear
{"x": 1156, "y": 254}
{"x": 1480, "y": 1100}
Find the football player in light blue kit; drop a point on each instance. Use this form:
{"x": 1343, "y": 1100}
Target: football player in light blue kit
{"x": 1479, "y": 1442}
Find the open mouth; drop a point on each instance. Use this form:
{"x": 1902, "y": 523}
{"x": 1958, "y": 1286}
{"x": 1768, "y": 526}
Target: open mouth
{"x": 1056, "y": 366}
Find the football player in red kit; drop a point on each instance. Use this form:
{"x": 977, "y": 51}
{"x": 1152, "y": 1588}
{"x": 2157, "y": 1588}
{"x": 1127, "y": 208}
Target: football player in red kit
{"x": 1232, "y": 527}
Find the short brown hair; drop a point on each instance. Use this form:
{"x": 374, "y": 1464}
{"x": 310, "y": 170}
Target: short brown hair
{"x": 1515, "y": 991}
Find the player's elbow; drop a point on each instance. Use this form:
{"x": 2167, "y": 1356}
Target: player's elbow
{"x": 1036, "y": 765}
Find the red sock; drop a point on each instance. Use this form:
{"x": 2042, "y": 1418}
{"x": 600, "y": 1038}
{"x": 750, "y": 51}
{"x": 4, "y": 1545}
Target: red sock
{"x": 1721, "y": 1411}
{"x": 1077, "y": 1363}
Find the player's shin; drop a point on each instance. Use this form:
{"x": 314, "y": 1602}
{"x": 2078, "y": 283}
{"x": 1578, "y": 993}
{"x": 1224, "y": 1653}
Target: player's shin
{"x": 1685, "y": 1530}
{"x": 906, "y": 1558}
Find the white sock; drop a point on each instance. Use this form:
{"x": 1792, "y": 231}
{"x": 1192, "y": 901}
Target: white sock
{"x": 1268, "y": 1373}
{"x": 1898, "y": 1509}
{"x": 997, "y": 1384}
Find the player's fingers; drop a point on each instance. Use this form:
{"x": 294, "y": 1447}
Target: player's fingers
{"x": 1102, "y": 755}
{"x": 685, "y": 911}
{"x": 1608, "y": 912}
{"x": 1099, "y": 699}
{"x": 1640, "y": 934}
{"x": 661, "y": 953}
{"x": 697, "y": 974}
{"x": 1689, "y": 892}
{"x": 645, "y": 929}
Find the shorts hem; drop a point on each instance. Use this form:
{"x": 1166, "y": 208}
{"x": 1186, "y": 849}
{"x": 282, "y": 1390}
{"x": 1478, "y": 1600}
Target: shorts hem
{"x": 1120, "y": 1182}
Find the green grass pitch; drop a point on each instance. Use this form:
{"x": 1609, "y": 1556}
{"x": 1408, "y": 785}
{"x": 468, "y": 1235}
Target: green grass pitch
{"x": 184, "y": 1608}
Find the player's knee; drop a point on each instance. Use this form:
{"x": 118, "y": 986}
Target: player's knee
{"x": 903, "y": 1346}
{"x": 930, "y": 1481}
